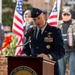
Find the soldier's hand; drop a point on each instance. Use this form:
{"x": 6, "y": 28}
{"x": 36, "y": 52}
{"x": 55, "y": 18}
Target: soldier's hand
{"x": 23, "y": 55}
{"x": 44, "y": 56}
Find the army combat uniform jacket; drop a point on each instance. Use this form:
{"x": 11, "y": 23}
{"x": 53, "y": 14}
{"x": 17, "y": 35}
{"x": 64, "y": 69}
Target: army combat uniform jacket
{"x": 68, "y": 33}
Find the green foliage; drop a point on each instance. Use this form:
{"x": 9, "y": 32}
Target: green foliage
{"x": 6, "y": 3}
{"x": 10, "y": 50}
{"x": 7, "y": 18}
{"x": 29, "y": 6}
{"x": 26, "y": 6}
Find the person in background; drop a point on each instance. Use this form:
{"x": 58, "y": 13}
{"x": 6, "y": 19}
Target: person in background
{"x": 67, "y": 26}
{"x": 1, "y": 35}
{"x": 46, "y": 41}
{"x": 28, "y": 23}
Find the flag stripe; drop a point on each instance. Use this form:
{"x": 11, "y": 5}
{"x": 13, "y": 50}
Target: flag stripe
{"x": 16, "y": 29}
{"x": 19, "y": 40}
{"x": 52, "y": 20}
{"x": 19, "y": 24}
{"x": 19, "y": 51}
{"x": 18, "y": 19}
{"x": 53, "y": 16}
{"x": 16, "y": 25}
{"x": 53, "y": 23}
{"x": 16, "y": 32}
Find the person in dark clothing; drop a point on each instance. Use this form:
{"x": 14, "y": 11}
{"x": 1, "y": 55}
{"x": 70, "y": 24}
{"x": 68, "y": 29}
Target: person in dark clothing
{"x": 1, "y": 35}
{"x": 46, "y": 41}
{"x": 67, "y": 26}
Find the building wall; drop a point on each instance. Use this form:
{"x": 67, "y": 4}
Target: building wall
{"x": 39, "y": 4}
{"x": 3, "y": 65}
{"x": 42, "y": 5}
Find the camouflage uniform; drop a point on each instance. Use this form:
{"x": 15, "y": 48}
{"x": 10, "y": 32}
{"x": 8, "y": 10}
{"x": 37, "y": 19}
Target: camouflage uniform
{"x": 69, "y": 41}
{"x": 69, "y": 37}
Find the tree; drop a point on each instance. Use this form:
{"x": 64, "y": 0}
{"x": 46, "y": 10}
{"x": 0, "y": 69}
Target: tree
{"x": 8, "y": 7}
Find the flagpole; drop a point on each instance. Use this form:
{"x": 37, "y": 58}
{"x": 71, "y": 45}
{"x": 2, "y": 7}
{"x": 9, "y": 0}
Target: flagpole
{"x": 0, "y": 11}
{"x": 59, "y": 3}
{"x": 47, "y": 10}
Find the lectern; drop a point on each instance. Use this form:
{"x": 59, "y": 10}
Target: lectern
{"x": 22, "y": 65}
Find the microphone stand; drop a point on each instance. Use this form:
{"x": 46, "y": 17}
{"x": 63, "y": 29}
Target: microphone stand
{"x": 23, "y": 44}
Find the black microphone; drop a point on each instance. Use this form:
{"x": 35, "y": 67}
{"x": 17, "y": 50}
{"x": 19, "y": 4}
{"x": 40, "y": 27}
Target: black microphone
{"x": 30, "y": 31}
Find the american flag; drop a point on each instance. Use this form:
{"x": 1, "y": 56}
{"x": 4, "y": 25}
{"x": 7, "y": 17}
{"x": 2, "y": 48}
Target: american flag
{"x": 18, "y": 26}
{"x": 54, "y": 15}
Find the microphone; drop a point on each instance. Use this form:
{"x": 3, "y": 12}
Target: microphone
{"x": 30, "y": 31}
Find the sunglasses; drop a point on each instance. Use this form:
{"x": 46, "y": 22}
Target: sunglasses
{"x": 66, "y": 14}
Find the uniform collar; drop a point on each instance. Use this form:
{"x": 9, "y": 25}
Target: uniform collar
{"x": 42, "y": 29}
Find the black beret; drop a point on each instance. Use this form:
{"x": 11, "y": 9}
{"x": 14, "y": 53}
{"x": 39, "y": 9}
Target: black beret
{"x": 35, "y": 12}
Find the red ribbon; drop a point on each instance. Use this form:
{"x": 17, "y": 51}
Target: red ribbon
{"x": 6, "y": 41}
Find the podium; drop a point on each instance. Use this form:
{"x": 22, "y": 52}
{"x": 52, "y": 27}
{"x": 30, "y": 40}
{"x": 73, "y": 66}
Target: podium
{"x": 22, "y": 65}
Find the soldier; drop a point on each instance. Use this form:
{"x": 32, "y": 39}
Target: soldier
{"x": 67, "y": 26}
{"x": 1, "y": 35}
{"x": 46, "y": 41}
{"x": 28, "y": 22}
